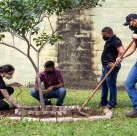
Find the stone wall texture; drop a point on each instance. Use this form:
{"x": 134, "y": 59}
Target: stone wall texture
{"x": 78, "y": 57}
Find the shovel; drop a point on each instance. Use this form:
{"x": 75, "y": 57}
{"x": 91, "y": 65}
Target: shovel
{"x": 96, "y": 89}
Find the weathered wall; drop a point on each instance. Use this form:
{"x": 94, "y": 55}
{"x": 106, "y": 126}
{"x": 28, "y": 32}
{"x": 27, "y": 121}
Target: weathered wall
{"x": 79, "y": 59}
{"x": 75, "y": 52}
{"x": 113, "y": 13}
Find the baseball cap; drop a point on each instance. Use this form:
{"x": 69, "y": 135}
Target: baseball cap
{"x": 129, "y": 18}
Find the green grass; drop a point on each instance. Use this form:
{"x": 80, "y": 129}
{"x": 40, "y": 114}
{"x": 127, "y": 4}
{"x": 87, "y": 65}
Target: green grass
{"x": 119, "y": 125}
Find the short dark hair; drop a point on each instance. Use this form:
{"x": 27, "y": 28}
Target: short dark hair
{"x": 107, "y": 29}
{"x": 49, "y": 64}
{"x": 6, "y": 68}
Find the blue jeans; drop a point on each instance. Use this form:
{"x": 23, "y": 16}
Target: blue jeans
{"x": 109, "y": 85}
{"x": 130, "y": 85}
{"x": 59, "y": 94}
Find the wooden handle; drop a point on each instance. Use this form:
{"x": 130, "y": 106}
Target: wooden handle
{"x": 95, "y": 90}
{"x": 42, "y": 104}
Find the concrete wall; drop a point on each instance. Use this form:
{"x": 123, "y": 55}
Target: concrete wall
{"x": 113, "y": 13}
{"x": 75, "y": 53}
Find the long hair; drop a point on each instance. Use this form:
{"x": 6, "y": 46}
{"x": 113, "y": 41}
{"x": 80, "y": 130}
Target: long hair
{"x": 6, "y": 68}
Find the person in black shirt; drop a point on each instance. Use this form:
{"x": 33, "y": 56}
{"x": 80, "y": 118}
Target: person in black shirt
{"x": 112, "y": 49}
{"x": 7, "y": 71}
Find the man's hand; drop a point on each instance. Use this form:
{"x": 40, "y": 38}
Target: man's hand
{"x": 50, "y": 88}
{"x": 118, "y": 60}
{"x": 47, "y": 90}
{"x": 134, "y": 36}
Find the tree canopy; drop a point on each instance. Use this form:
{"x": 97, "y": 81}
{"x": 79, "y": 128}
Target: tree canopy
{"x": 21, "y": 18}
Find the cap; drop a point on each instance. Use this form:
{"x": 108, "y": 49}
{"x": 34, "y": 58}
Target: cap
{"x": 129, "y": 18}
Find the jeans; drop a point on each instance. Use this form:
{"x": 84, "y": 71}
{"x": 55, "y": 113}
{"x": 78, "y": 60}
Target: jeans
{"x": 109, "y": 85}
{"x": 130, "y": 85}
{"x": 59, "y": 94}
{"x": 4, "y": 105}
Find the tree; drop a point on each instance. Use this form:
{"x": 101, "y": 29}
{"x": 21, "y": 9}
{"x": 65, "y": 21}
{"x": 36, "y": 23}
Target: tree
{"x": 22, "y": 18}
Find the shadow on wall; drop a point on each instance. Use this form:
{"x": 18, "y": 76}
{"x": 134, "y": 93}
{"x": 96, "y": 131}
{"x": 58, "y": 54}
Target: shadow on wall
{"x": 75, "y": 53}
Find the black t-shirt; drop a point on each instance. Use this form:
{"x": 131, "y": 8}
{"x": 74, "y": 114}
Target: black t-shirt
{"x": 110, "y": 52}
{"x": 2, "y": 83}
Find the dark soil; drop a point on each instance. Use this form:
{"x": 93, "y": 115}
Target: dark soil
{"x": 73, "y": 113}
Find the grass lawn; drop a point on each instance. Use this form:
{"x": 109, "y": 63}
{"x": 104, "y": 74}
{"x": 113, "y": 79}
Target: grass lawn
{"x": 119, "y": 125}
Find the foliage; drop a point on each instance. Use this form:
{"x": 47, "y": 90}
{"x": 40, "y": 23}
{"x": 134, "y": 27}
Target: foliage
{"x": 119, "y": 125}
{"x": 22, "y": 19}
{"x": 22, "y": 16}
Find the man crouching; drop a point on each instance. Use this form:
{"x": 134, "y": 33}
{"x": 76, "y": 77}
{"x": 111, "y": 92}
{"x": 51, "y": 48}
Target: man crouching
{"x": 53, "y": 85}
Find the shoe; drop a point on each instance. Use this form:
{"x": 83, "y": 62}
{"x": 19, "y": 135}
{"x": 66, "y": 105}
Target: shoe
{"x": 132, "y": 114}
{"x": 110, "y": 107}
{"x": 48, "y": 102}
{"x": 102, "y": 105}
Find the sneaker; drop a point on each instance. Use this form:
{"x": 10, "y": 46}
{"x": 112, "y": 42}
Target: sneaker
{"x": 132, "y": 114}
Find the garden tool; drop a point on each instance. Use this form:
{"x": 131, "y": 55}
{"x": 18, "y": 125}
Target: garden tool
{"x": 112, "y": 68}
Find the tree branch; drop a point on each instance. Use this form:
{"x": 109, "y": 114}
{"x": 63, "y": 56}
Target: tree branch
{"x": 34, "y": 65}
{"x": 13, "y": 48}
{"x": 32, "y": 62}
{"x": 28, "y": 43}
{"x": 39, "y": 50}
{"x": 50, "y": 25}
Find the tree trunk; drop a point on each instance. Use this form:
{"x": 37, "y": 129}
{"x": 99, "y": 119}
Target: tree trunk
{"x": 42, "y": 104}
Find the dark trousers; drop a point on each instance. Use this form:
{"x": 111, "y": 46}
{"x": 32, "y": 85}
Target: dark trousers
{"x": 4, "y": 105}
{"x": 109, "y": 85}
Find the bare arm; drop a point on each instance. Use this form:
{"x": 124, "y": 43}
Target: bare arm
{"x": 131, "y": 50}
{"x": 8, "y": 97}
{"x": 120, "y": 50}
{"x": 16, "y": 84}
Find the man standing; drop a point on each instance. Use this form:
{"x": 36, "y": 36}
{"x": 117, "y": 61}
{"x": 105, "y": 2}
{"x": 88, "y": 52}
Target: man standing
{"x": 112, "y": 49}
{"x": 131, "y": 21}
{"x": 53, "y": 84}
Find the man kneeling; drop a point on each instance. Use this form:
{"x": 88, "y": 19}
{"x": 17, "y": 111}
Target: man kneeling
{"x": 53, "y": 83}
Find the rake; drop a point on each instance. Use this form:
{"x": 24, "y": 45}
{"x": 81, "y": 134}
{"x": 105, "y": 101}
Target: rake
{"x": 96, "y": 89}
